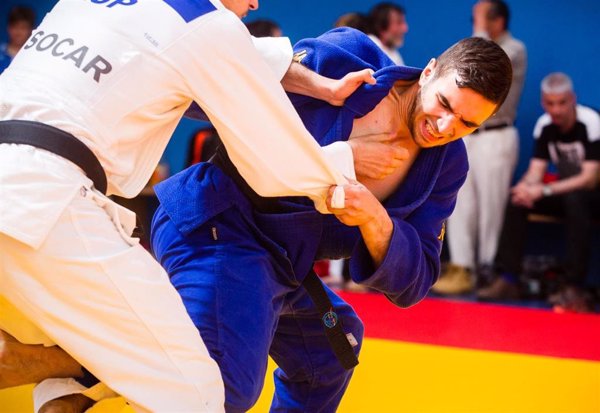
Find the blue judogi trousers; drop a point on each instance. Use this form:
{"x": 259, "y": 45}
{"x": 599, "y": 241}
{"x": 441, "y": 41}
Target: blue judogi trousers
{"x": 248, "y": 304}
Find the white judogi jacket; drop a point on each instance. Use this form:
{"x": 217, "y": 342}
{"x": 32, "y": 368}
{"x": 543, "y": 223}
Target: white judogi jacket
{"x": 119, "y": 75}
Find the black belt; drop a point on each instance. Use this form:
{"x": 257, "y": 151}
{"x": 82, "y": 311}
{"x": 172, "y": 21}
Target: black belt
{"x": 312, "y": 284}
{"x": 485, "y": 128}
{"x": 222, "y": 160}
{"x": 56, "y": 141}
{"x": 67, "y": 146}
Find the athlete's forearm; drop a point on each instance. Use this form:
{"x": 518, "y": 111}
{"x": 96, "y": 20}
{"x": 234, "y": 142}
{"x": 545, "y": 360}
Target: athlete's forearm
{"x": 303, "y": 81}
{"x": 298, "y": 79}
{"x": 377, "y": 235}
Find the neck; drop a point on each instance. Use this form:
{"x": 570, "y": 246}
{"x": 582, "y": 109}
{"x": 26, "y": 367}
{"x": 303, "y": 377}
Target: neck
{"x": 406, "y": 99}
{"x": 497, "y": 36}
{"x": 570, "y": 122}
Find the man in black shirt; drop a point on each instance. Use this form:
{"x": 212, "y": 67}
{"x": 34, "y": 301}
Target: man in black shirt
{"x": 568, "y": 136}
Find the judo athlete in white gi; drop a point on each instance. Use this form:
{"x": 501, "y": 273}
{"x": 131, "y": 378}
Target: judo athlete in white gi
{"x": 118, "y": 75}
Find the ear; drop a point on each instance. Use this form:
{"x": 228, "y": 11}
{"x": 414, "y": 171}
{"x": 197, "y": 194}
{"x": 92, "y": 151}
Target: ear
{"x": 574, "y": 97}
{"x": 428, "y": 72}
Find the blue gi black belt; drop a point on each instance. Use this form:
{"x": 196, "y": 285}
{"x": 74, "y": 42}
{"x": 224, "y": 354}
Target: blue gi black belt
{"x": 329, "y": 319}
{"x": 56, "y": 141}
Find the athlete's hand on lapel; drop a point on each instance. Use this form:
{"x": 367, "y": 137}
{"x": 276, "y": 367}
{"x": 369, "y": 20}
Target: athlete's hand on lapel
{"x": 377, "y": 156}
{"x": 341, "y": 89}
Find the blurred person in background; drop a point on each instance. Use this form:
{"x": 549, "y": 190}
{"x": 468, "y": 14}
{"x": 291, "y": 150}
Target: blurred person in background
{"x": 387, "y": 27}
{"x": 568, "y": 136}
{"x": 355, "y": 20}
{"x": 474, "y": 227}
{"x": 20, "y": 23}
{"x": 264, "y": 28}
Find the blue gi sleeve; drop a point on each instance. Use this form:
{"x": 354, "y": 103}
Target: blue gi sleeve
{"x": 412, "y": 263}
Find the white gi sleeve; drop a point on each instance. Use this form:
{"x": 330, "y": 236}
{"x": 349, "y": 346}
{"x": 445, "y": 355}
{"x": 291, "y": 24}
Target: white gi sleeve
{"x": 260, "y": 129}
{"x": 340, "y": 155}
{"x": 277, "y": 52}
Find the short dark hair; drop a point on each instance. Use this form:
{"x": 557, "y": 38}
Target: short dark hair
{"x": 481, "y": 65}
{"x": 262, "y": 28}
{"x": 379, "y": 16}
{"x": 499, "y": 9}
{"x": 21, "y": 13}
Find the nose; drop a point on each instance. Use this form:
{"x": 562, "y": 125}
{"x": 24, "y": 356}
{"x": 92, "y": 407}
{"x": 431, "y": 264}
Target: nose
{"x": 253, "y": 4}
{"x": 446, "y": 124}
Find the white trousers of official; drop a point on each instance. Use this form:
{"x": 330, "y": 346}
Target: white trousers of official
{"x": 97, "y": 293}
{"x": 474, "y": 226}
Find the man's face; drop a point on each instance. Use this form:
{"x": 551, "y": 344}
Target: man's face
{"x": 560, "y": 107}
{"x": 19, "y": 32}
{"x": 393, "y": 37}
{"x": 240, "y": 7}
{"x": 444, "y": 112}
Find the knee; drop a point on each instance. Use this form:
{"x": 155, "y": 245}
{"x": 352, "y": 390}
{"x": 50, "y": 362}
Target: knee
{"x": 241, "y": 395}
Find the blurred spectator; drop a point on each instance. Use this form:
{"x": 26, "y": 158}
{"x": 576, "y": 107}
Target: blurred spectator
{"x": 264, "y": 28}
{"x": 475, "y": 225}
{"x": 568, "y": 135}
{"x": 357, "y": 21}
{"x": 20, "y": 23}
{"x": 387, "y": 27}
{"x": 203, "y": 145}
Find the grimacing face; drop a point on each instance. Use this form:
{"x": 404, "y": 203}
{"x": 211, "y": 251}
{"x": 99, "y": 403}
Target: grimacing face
{"x": 240, "y": 7}
{"x": 443, "y": 112}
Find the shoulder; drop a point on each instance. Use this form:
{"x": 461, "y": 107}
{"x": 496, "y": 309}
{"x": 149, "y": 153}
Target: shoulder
{"x": 591, "y": 119}
{"x": 514, "y": 48}
{"x": 456, "y": 159}
{"x": 542, "y": 122}
{"x": 519, "y": 45}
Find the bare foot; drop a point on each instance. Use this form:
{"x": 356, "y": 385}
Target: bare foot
{"x": 73, "y": 403}
{"x": 24, "y": 364}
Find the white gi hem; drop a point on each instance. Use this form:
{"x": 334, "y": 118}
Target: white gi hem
{"x": 51, "y": 389}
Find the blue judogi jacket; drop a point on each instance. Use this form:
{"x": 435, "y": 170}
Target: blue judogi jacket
{"x": 418, "y": 208}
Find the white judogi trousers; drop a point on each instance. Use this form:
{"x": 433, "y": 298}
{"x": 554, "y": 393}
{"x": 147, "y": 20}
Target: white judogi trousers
{"x": 474, "y": 226}
{"x": 83, "y": 283}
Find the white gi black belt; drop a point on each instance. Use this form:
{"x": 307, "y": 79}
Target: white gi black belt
{"x": 56, "y": 141}
{"x": 332, "y": 324}
{"x": 67, "y": 146}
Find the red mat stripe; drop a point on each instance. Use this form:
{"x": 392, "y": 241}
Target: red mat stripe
{"x": 481, "y": 326}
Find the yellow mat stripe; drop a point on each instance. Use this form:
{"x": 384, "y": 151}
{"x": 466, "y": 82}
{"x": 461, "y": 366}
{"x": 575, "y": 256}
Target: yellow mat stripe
{"x": 415, "y": 378}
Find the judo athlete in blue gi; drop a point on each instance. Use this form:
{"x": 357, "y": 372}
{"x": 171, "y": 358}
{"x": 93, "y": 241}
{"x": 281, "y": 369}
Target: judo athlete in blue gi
{"x": 239, "y": 264}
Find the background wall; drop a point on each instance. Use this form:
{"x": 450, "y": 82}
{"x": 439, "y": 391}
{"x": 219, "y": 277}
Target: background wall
{"x": 559, "y": 35}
